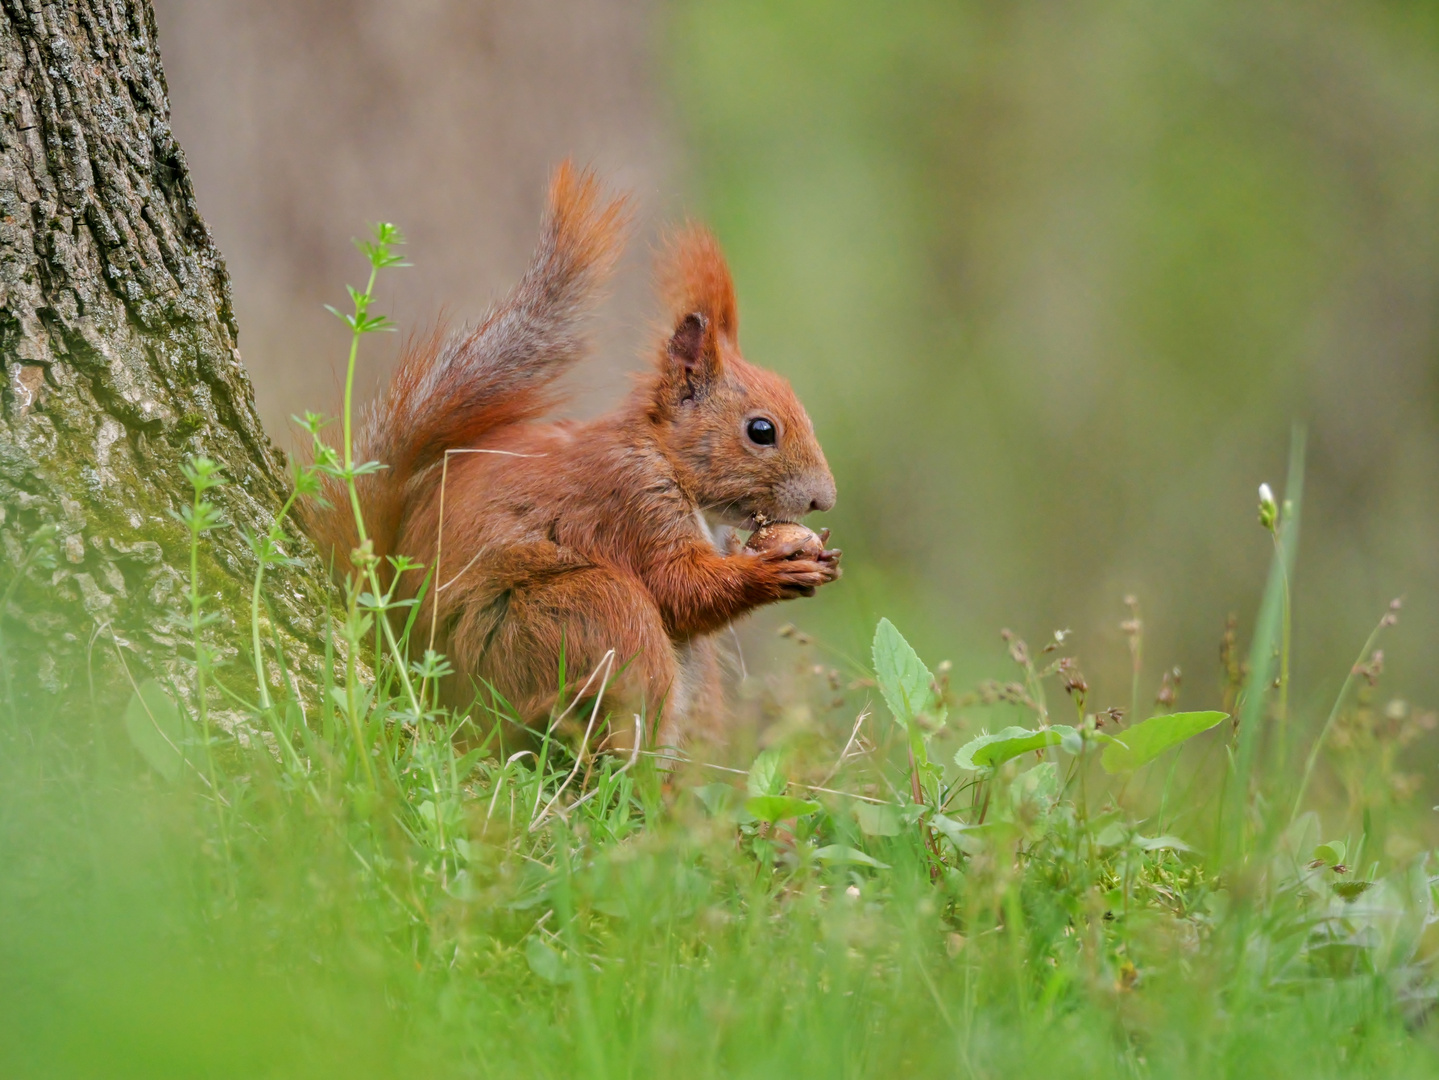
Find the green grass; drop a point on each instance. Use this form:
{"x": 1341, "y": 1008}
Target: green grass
{"x": 657, "y": 929}
{"x": 256, "y": 883}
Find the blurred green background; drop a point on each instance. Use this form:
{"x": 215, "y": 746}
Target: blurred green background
{"x": 1054, "y": 279}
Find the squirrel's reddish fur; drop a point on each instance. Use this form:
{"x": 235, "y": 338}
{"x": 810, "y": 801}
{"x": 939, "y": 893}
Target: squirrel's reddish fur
{"x": 578, "y": 538}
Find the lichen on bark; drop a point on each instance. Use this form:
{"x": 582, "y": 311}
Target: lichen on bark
{"x": 120, "y": 361}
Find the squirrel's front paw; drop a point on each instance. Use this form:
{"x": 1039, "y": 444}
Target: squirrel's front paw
{"x": 799, "y": 576}
{"x": 791, "y": 560}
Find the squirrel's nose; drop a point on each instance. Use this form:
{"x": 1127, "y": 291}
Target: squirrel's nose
{"x": 823, "y": 496}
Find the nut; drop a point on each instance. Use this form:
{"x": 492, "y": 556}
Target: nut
{"x": 779, "y": 533}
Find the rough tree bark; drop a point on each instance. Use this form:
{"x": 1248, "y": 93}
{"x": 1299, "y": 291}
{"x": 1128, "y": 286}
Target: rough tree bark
{"x": 118, "y": 344}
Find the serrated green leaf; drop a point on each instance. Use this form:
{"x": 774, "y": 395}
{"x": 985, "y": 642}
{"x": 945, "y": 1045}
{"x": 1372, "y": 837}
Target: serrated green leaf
{"x": 989, "y": 751}
{"x": 774, "y": 808}
{"x": 905, "y": 683}
{"x": 1350, "y": 891}
{"x": 1145, "y": 741}
{"x": 838, "y": 853}
{"x": 765, "y": 775}
{"x": 157, "y": 729}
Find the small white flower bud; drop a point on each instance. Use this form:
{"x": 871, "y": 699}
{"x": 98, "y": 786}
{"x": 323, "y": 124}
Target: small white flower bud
{"x": 1268, "y": 509}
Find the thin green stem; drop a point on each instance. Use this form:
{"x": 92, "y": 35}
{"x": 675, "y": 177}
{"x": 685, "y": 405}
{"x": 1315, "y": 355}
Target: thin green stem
{"x": 360, "y": 324}
{"x": 371, "y": 575}
{"x": 352, "y": 685}
{"x": 1285, "y": 633}
{"x": 362, "y": 304}
{"x": 1313, "y": 758}
{"x": 1264, "y": 650}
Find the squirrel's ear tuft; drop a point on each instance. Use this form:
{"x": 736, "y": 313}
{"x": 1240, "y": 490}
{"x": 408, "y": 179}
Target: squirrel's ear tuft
{"x": 694, "y": 277}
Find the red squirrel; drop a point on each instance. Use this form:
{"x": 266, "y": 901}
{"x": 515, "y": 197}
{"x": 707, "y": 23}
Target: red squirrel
{"x": 577, "y": 538}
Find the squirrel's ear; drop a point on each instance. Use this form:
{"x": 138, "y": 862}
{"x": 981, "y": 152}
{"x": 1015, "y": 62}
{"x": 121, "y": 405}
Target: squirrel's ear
{"x": 692, "y": 360}
{"x": 695, "y": 283}
{"x": 694, "y": 277}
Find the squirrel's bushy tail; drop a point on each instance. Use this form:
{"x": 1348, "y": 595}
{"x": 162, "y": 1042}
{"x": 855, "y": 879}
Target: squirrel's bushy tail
{"x": 448, "y": 392}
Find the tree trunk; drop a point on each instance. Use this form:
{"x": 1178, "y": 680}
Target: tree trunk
{"x": 119, "y": 350}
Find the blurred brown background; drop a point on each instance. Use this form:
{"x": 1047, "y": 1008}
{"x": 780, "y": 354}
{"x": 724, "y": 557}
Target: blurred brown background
{"x": 1053, "y": 280}
{"x": 304, "y": 120}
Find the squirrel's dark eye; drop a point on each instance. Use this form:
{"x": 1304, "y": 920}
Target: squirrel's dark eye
{"x": 761, "y": 432}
